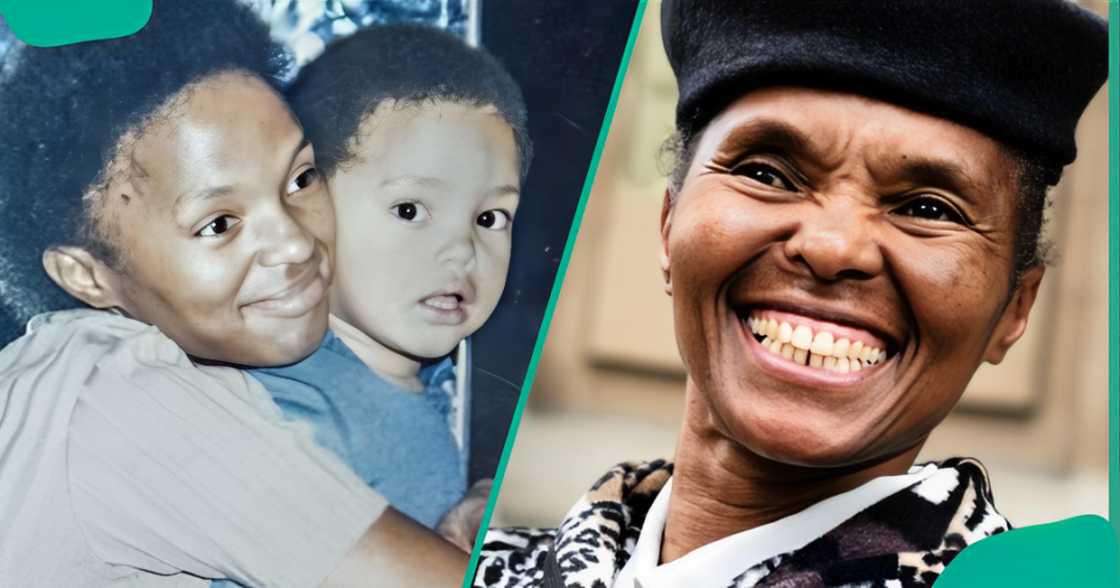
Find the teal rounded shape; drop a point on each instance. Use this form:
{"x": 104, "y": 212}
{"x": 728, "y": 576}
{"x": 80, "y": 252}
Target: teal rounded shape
{"x": 50, "y": 23}
{"x": 1080, "y": 552}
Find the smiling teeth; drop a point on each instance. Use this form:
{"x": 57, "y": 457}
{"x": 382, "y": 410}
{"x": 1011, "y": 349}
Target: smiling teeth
{"x": 785, "y": 333}
{"x": 802, "y": 337}
{"x": 822, "y": 350}
{"x": 787, "y": 351}
{"x": 822, "y": 344}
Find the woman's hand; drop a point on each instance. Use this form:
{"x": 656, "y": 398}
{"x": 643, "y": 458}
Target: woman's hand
{"x": 397, "y": 552}
{"x": 460, "y": 524}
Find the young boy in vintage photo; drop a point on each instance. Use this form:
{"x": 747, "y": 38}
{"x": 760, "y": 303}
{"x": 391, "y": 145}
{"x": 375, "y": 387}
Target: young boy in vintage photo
{"x": 423, "y": 143}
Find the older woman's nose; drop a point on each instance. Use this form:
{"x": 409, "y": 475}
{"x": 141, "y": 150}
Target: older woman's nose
{"x": 836, "y": 242}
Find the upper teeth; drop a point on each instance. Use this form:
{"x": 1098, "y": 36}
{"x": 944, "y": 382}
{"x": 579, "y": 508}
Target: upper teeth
{"x": 443, "y": 301}
{"x": 822, "y": 349}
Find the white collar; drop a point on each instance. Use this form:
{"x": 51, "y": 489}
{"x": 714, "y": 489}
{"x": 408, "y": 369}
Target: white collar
{"x": 718, "y": 563}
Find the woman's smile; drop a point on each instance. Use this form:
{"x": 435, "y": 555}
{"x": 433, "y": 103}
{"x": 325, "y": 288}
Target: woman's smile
{"x": 810, "y": 352}
{"x": 297, "y": 297}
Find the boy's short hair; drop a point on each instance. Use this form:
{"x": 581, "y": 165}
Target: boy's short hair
{"x": 64, "y": 111}
{"x": 405, "y": 63}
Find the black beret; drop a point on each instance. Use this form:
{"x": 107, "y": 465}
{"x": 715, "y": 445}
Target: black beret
{"x": 1020, "y": 71}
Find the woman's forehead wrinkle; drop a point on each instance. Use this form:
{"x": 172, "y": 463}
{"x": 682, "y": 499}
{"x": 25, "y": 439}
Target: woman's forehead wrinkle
{"x": 189, "y": 197}
{"x": 912, "y": 168}
{"x": 782, "y": 131}
{"x": 761, "y": 132}
{"x": 910, "y": 156}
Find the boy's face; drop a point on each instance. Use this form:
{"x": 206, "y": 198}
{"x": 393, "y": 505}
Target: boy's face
{"x": 425, "y": 214}
{"x": 224, "y": 226}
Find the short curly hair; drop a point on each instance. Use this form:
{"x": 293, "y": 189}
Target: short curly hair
{"x": 65, "y": 111}
{"x": 410, "y": 64}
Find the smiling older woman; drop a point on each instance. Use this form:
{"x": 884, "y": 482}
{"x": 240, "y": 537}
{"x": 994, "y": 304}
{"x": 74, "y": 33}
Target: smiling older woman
{"x": 851, "y": 229}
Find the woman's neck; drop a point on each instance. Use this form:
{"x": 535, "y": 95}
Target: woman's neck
{"x": 400, "y": 370}
{"x": 720, "y": 488}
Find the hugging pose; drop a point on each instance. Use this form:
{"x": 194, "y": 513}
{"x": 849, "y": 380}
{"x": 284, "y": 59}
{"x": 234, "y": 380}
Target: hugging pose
{"x": 259, "y": 391}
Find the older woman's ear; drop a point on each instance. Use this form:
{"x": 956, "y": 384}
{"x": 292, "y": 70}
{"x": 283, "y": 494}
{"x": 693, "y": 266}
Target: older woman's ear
{"x": 663, "y": 253}
{"x": 1013, "y": 322}
{"x": 82, "y": 276}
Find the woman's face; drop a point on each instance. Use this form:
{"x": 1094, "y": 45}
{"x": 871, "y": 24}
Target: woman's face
{"x": 859, "y": 225}
{"x": 224, "y": 225}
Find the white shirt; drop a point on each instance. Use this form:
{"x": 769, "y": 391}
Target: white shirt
{"x": 124, "y": 464}
{"x": 718, "y": 563}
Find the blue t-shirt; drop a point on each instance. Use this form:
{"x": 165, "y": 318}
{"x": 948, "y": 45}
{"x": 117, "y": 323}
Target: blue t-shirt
{"x": 397, "y": 441}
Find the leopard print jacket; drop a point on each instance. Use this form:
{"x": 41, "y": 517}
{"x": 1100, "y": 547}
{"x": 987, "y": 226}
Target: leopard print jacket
{"x": 903, "y": 541}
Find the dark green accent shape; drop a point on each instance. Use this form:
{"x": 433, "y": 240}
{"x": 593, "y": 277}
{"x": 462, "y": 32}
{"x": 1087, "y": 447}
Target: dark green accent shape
{"x": 542, "y": 335}
{"x": 50, "y": 23}
{"x": 1080, "y": 551}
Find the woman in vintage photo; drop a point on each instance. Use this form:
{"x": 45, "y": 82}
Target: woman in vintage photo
{"x": 211, "y": 375}
{"x": 165, "y": 183}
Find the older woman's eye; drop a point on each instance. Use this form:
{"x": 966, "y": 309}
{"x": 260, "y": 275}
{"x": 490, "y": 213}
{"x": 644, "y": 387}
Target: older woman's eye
{"x": 496, "y": 219}
{"x": 412, "y": 212}
{"x": 930, "y": 209}
{"x": 763, "y": 174}
{"x": 218, "y": 226}
{"x": 304, "y": 180}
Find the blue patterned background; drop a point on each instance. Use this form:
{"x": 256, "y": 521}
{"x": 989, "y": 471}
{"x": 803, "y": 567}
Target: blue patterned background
{"x": 306, "y": 26}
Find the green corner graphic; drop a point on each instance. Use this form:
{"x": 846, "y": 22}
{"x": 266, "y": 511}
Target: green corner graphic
{"x": 542, "y": 334}
{"x": 52, "y": 23}
{"x": 1080, "y": 551}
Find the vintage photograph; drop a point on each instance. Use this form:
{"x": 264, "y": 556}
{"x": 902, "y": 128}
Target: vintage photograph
{"x": 274, "y": 276}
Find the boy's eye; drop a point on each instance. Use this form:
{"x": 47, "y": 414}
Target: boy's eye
{"x": 495, "y": 219}
{"x": 763, "y": 174}
{"x": 218, "y": 226}
{"x": 412, "y": 212}
{"x": 304, "y": 180}
{"x": 929, "y": 208}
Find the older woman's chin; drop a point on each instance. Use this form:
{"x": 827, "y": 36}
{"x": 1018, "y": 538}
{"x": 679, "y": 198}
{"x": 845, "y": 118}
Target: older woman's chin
{"x": 800, "y": 440}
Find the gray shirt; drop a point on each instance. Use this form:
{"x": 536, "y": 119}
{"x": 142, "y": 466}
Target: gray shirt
{"x": 124, "y": 464}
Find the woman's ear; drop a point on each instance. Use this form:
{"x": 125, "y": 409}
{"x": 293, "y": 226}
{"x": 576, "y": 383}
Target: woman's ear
{"x": 663, "y": 253}
{"x": 82, "y": 276}
{"x": 1013, "y": 322}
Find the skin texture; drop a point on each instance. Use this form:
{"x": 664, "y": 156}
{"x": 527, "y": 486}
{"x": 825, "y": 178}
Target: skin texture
{"x": 424, "y": 209}
{"x": 461, "y": 524}
{"x": 849, "y": 210}
{"x": 396, "y": 552}
{"x": 228, "y": 255}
